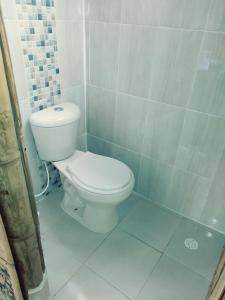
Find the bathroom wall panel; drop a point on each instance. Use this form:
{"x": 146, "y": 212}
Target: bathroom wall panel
{"x": 70, "y": 52}
{"x": 216, "y": 20}
{"x": 168, "y": 79}
{"x": 169, "y": 13}
{"x": 103, "y": 10}
{"x": 72, "y": 10}
{"x": 189, "y": 14}
{"x": 15, "y": 46}
{"x": 103, "y": 54}
{"x": 135, "y": 65}
{"x": 75, "y": 94}
{"x": 213, "y": 213}
{"x": 101, "y": 105}
{"x": 154, "y": 179}
{"x": 130, "y": 121}
{"x": 209, "y": 86}
{"x": 162, "y": 131}
{"x": 202, "y": 143}
{"x": 187, "y": 193}
{"x": 174, "y": 62}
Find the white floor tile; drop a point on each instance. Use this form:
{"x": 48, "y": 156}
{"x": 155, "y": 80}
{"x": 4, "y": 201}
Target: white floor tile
{"x": 74, "y": 237}
{"x": 86, "y": 285}
{"x": 60, "y": 264}
{"x": 124, "y": 261}
{"x": 204, "y": 259}
{"x": 173, "y": 281}
{"x": 152, "y": 224}
{"x": 49, "y": 210}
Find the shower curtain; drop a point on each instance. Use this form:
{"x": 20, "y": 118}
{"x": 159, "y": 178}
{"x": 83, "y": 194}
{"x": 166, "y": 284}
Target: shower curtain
{"x": 9, "y": 284}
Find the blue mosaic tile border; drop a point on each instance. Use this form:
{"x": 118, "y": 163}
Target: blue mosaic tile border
{"x": 39, "y": 44}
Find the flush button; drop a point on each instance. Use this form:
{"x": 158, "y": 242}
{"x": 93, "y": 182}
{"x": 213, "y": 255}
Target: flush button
{"x": 58, "y": 108}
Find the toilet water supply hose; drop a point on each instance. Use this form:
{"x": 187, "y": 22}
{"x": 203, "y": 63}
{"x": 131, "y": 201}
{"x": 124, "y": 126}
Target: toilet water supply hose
{"x": 47, "y": 185}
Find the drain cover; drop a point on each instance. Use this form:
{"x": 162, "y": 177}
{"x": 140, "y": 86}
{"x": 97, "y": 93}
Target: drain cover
{"x": 191, "y": 244}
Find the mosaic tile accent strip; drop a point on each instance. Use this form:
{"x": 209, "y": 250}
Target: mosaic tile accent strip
{"x": 39, "y": 44}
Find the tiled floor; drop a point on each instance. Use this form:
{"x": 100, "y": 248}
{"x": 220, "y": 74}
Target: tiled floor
{"x": 144, "y": 258}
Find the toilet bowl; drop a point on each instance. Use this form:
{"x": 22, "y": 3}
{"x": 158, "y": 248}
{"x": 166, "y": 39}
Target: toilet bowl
{"x": 94, "y": 185}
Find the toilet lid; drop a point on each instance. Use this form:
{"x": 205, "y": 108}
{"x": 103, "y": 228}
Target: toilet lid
{"x": 100, "y": 172}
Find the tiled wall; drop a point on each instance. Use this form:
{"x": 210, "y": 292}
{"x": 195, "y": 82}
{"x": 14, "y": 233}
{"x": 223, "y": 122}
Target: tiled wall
{"x": 156, "y": 98}
{"x": 46, "y": 46}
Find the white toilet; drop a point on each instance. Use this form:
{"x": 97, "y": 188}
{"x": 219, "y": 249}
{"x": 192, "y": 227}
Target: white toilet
{"x": 93, "y": 184}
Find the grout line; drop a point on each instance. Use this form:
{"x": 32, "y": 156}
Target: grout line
{"x": 159, "y": 27}
{"x": 141, "y": 241}
{"x": 179, "y": 214}
{"x": 188, "y": 267}
{"x": 148, "y": 157}
{"x": 159, "y": 102}
{"x": 149, "y": 276}
{"x": 107, "y": 281}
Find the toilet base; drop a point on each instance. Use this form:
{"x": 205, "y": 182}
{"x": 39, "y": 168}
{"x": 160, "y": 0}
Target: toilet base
{"x": 96, "y": 218}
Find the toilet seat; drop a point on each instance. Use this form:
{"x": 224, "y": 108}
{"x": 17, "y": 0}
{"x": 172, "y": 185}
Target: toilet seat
{"x": 99, "y": 174}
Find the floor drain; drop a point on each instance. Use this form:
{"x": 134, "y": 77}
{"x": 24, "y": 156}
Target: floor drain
{"x": 191, "y": 244}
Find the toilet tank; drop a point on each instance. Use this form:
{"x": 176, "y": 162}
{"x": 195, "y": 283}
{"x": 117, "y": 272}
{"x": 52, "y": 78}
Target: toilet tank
{"x": 55, "y": 131}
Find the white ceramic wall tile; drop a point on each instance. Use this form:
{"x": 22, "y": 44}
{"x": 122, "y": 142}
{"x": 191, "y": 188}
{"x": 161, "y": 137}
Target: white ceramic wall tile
{"x": 201, "y": 143}
{"x": 71, "y": 10}
{"x": 207, "y": 243}
{"x": 101, "y": 112}
{"x": 70, "y": 52}
{"x": 209, "y": 86}
{"x": 188, "y": 193}
{"x": 89, "y": 286}
{"x": 185, "y": 14}
{"x": 103, "y": 51}
{"x": 174, "y": 60}
{"x": 15, "y": 46}
{"x": 103, "y": 10}
{"x": 83, "y": 142}
{"x": 130, "y": 121}
{"x": 216, "y": 20}
{"x": 124, "y": 261}
{"x": 9, "y": 9}
{"x": 99, "y": 146}
{"x": 136, "y": 51}
{"x": 173, "y": 281}
{"x": 213, "y": 213}
{"x": 151, "y": 224}
{"x": 75, "y": 95}
{"x": 141, "y": 12}
{"x": 154, "y": 179}
{"x": 170, "y": 13}
{"x": 162, "y": 131}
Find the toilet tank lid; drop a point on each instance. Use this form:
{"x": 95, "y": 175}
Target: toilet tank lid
{"x": 56, "y": 115}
